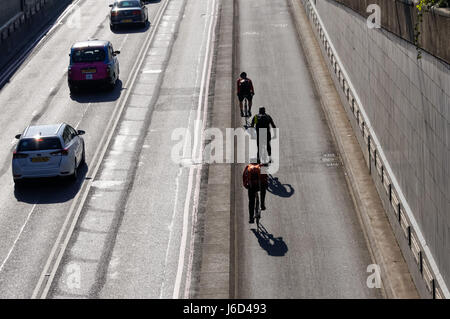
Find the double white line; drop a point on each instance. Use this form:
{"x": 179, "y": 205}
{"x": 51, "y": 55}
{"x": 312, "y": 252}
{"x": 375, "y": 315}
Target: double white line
{"x": 197, "y": 157}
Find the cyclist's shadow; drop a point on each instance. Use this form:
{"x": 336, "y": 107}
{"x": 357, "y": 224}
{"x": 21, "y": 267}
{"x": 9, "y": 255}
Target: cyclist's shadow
{"x": 275, "y": 246}
{"x": 277, "y": 188}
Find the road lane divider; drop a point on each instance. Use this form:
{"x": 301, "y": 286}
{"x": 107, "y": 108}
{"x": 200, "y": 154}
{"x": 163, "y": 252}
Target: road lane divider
{"x": 52, "y": 264}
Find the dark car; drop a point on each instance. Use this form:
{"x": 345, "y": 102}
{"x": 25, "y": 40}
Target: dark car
{"x": 128, "y": 12}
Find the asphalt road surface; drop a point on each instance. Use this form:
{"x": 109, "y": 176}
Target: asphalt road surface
{"x": 125, "y": 229}
{"x": 311, "y": 244}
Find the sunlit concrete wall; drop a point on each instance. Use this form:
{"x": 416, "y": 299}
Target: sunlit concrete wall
{"x": 408, "y": 104}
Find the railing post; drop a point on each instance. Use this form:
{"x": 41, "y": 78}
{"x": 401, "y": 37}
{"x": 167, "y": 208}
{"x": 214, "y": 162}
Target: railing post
{"x": 409, "y": 236}
{"x": 399, "y": 213}
{"x": 370, "y": 156}
{"x": 390, "y": 193}
{"x": 420, "y": 262}
{"x": 382, "y": 174}
{"x": 375, "y": 158}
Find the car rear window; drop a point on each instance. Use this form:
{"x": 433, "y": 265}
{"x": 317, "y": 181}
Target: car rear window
{"x": 128, "y": 4}
{"x": 39, "y": 144}
{"x": 88, "y": 55}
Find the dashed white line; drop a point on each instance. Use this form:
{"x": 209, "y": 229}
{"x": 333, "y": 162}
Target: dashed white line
{"x": 17, "y": 237}
{"x": 152, "y": 71}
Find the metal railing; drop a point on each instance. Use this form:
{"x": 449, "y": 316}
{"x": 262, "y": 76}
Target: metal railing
{"x": 376, "y": 160}
{"x": 19, "y": 19}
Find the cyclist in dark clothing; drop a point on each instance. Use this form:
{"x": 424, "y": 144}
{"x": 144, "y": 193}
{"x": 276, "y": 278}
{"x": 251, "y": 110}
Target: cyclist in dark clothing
{"x": 263, "y": 121}
{"x": 245, "y": 90}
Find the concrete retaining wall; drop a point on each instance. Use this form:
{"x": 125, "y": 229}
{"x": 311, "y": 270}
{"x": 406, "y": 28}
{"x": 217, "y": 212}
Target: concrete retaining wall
{"x": 24, "y": 25}
{"x": 9, "y": 9}
{"x": 407, "y": 104}
{"x": 400, "y": 17}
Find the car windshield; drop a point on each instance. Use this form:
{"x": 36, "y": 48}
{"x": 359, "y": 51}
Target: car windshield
{"x": 39, "y": 144}
{"x": 128, "y": 4}
{"x": 88, "y": 55}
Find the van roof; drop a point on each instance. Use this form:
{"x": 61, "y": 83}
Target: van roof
{"x": 42, "y": 130}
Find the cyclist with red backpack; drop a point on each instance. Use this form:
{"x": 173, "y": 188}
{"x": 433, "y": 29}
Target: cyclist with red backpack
{"x": 254, "y": 181}
{"x": 245, "y": 90}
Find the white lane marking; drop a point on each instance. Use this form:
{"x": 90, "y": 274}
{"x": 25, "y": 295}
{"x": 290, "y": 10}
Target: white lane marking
{"x": 82, "y": 116}
{"x": 123, "y": 42}
{"x": 186, "y": 152}
{"x": 205, "y": 76}
{"x": 152, "y": 71}
{"x": 197, "y": 187}
{"x": 106, "y": 184}
{"x": 180, "y": 171}
{"x": 17, "y": 238}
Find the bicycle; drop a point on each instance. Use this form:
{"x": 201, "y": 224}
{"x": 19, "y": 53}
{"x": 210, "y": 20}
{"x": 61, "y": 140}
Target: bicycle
{"x": 247, "y": 116}
{"x": 257, "y": 214}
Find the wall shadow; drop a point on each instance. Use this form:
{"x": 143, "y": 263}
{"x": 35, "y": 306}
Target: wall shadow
{"x": 274, "y": 246}
{"x": 50, "y": 190}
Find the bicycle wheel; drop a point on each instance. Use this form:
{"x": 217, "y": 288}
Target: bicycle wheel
{"x": 246, "y": 107}
{"x": 257, "y": 209}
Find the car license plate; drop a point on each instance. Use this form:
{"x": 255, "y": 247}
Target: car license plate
{"x": 88, "y": 71}
{"x": 127, "y": 20}
{"x": 89, "y": 77}
{"x": 39, "y": 159}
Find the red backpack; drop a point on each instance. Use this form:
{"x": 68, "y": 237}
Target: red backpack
{"x": 244, "y": 86}
{"x": 252, "y": 176}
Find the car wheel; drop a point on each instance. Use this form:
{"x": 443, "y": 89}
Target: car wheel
{"x": 18, "y": 182}
{"x": 74, "y": 176}
{"x": 83, "y": 157}
{"x": 112, "y": 84}
{"x": 73, "y": 89}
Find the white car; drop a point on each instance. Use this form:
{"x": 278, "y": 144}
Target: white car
{"x": 48, "y": 151}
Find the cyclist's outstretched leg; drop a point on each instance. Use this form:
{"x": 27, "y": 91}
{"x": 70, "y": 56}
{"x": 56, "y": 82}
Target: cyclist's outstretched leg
{"x": 251, "y": 205}
{"x": 241, "y": 104}
{"x": 250, "y": 103}
{"x": 263, "y": 198}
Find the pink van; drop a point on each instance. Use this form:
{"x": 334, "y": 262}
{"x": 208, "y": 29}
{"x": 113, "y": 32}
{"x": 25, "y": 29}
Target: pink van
{"x": 93, "y": 63}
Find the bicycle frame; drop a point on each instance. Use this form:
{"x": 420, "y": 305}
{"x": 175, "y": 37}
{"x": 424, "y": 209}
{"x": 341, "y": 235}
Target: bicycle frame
{"x": 257, "y": 214}
{"x": 245, "y": 107}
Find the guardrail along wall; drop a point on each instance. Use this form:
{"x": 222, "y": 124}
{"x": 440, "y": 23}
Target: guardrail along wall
{"x": 21, "y": 21}
{"x": 9, "y": 8}
{"x": 401, "y": 108}
{"x": 400, "y": 17}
